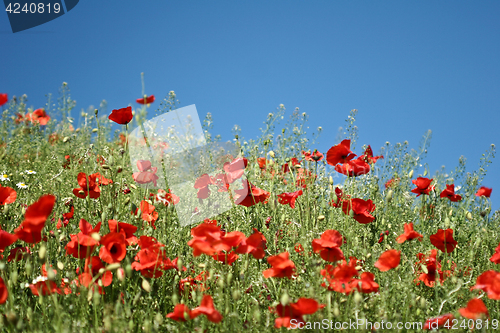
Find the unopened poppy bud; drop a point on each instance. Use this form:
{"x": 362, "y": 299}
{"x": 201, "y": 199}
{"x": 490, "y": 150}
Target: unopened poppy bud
{"x": 23, "y": 210}
{"x": 336, "y": 311}
{"x": 95, "y": 130}
{"x": 220, "y": 283}
{"x": 105, "y": 167}
{"x": 468, "y": 216}
{"x": 351, "y": 213}
{"x": 104, "y": 216}
{"x": 27, "y": 268}
{"x": 95, "y": 236}
{"x": 256, "y": 315}
{"x": 175, "y": 299}
{"x": 133, "y": 186}
{"x": 330, "y": 180}
{"x": 425, "y": 172}
{"x": 271, "y": 153}
{"x": 60, "y": 265}
{"x": 389, "y": 196}
{"x": 66, "y": 139}
{"x": 358, "y": 268}
{"x": 113, "y": 266}
{"x": 357, "y": 298}
{"x": 42, "y": 252}
{"x": 321, "y": 217}
{"x": 236, "y": 294}
{"x": 285, "y": 299}
{"x": 229, "y": 277}
{"x": 179, "y": 263}
{"x": 51, "y": 274}
{"x": 127, "y": 201}
{"x": 410, "y": 174}
{"x": 5, "y": 209}
{"x": 446, "y": 222}
{"x": 146, "y": 286}
{"x": 128, "y": 270}
{"x": 81, "y": 192}
{"x": 139, "y": 212}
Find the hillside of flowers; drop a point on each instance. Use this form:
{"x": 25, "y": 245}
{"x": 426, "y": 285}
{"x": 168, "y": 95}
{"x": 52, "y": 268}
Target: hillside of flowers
{"x": 315, "y": 239}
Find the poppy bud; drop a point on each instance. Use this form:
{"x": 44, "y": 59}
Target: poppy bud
{"x": 133, "y": 186}
{"x": 220, "y": 283}
{"x": 66, "y": 139}
{"x": 468, "y": 216}
{"x": 446, "y": 222}
{"x": 104, "y": 216}
{"x": 321, "y": 217}
{"x": 60, "y": 265}
{"x": 357, "y": 297}
{"x": 95, "y": 130}
{"x": 51, "y": 274}
{"x": 146, "y": 286}
{"x": 23, "y": 210}
{"x": 271, "y": 153}
{"x": 229, "y": 277}
{"x": 112, "y": 267}
{"x": 81, "y": 192}
{"x": 175, "y": 299}
{"x": 128, "y": 270}
{"x": 256, "y": 315}
{"x": 330, "y": 180}
{"x": 410, "y": 174}
{"x": 77, "y": 130}
{"x": 119, "y": 169}
{"x": 42, "y": 252}
{"x": 27, "y": 268}
{"x": 285, "y": 299}
{"x": 236, "y": 294}
{"x": 95, "y": 236}
{"x": 120, "y": 274}
{"x": 5, "y": 209}
{"x": 389, "y": 196}
{"x": 351, "y": 213}
{"x": 127, "y": 201}
{"x": 105, "y": 167}
{"x": 336, "y": 311}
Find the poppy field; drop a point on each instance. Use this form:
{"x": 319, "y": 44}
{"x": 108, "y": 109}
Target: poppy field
{"x": 349, "y": 239}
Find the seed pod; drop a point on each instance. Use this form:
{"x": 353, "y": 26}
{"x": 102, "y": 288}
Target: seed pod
{"x": 146, "y": 286}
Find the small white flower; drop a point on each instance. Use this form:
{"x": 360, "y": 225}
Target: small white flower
{"x": 30, "y": 172}
{"x": 4, "y": 177}
{"x": 22, "y": 185}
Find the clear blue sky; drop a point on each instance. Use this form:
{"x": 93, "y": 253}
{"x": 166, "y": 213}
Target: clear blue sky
{"x": 406, "y": 66}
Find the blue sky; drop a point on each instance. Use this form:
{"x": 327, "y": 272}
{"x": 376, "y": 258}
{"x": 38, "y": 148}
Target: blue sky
{"x": 406, "y": 66}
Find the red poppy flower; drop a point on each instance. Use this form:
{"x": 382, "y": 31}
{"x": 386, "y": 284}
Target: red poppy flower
{"x": 295, "y": 311}
{"x": 181, "y": 313}
{"x": 339, "y": 199}
{"x": 93, "y": 265}
{"x": 282, "y": 266}
{"x": 361, "y": 209}
{"x": 388, "y": 260}
{"x": 6, "y": 239}
{"x": 40, "y": 116}
{"x": 89, "y": 186}
{"x": 341, "y": 278}
{"x": 328, "y": 246}
{"x": 148, "y": 213}
{"x": 367, "y": 283}
{"x": 432, "y": 269}
{"x": 36, "y": 215}
{"x": 316, "y": 156}
{"x": 4, "y": 292}
{"x": 423, "y": 186}
{"x": 151, "y": 261}
{"x": 121, "y": 116}
{"x": 340, "y": 153}
{"x": 392, "y": 182}
{"x": 146, "y": 99}
{"x": 449, "y": 193}
{"x": 167, "y": 198}
{"x": 442, "y": 238}
{"x": 353, "y": 168}
{"x": 209, "y": 239}
{"x": 207, "y": 308}
{"x": 235, "y": 169}
{"x": 484, "y": 192}
{"x": 128, "y": 230}
{"x": 66, "y": 218}
{"x": 202, "y": 185}
{"x": 496, "y": 256}
{"x": 43, "y": 286}
{"x": 226, "y": 257}
{"x": 102, "y": 180}
{"x": 82, "y": 244}
{"x": 250, "y": 195}
{"x": 146, "y": 174}
{"x": 262, "y": 163}
{"x": 382, "y": 236}
{"x": 489, "y": 282}
{"x": 114, "y": 247}
{"x": 475, "y": 309}
{"x": 255, "y": 244}
{"x": 368, "y": 156}
{"x": 18, "y": 253}
{"x": 7, "y": 195}
{"x": 289, "y": 198}
{"x": 438, "y": 322}
{"x": 409, "y": 234}
{"x": 3, "y": 99}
